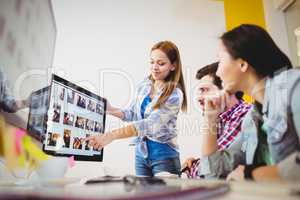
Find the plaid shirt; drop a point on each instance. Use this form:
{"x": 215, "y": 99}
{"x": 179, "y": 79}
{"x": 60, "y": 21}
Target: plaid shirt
{"x": 230, "y": 124}
{"x": 229, "y": 127}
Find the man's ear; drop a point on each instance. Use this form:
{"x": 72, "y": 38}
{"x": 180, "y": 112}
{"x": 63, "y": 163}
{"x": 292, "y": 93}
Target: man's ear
{"x": 244, "y": 66}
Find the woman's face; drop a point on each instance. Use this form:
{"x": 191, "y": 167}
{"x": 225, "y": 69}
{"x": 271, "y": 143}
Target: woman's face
{"x": 229, "y": 70}
{"x": 160, "y": 65}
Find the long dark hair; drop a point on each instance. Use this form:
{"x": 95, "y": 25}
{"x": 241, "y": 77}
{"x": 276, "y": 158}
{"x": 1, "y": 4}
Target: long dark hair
{"x": 254, "y": 45}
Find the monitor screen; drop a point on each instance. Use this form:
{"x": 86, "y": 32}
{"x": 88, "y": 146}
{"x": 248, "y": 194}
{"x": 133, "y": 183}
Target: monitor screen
{"x": 72, "y": 114}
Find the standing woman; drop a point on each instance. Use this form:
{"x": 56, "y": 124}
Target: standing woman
{"x": 153, "y": 114}
{"x": 250, "y": 61}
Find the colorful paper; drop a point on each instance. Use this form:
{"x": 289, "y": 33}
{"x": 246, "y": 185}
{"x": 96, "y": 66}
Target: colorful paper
{"x": 71, "y": 161}
{"x": 9, "y": 146}
{"x": 33, "y": 151}
{"x": 2, "y": 125}
{"x": 17, "y": 148}
{"x": 19, "y": 135}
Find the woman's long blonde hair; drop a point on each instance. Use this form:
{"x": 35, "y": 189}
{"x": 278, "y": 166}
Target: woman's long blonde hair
{"x": 175, "y": 78}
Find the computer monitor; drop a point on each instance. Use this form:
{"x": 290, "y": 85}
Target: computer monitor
{"x": 62, "y": 115}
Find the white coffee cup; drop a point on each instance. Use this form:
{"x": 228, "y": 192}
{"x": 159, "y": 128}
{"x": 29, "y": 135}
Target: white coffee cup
{"x": 53, "y": 168}
{"x": 17, "y": 173}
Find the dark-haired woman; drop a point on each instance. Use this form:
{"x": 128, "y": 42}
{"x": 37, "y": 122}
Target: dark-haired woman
{"x": 251, "y": 62}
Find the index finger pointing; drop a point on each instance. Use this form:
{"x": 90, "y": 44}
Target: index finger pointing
{"x": 87, "y": 139}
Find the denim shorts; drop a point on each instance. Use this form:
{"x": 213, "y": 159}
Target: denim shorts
{"x": 150, "y": 167}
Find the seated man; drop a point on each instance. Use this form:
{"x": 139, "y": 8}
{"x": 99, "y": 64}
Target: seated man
{"x": 7, "y": 102}
{"x": 228, "y": 119}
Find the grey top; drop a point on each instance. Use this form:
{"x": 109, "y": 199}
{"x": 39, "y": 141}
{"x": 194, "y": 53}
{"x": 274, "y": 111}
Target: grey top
{"x": 281, "y": 120}
{"x": 7, "y": 102}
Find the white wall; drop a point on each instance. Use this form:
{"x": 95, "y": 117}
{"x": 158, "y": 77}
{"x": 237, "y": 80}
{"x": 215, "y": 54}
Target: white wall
{"x": 117, "y": 35}
{"x": 292, "y": 18}
{"x": 276, "y": 25}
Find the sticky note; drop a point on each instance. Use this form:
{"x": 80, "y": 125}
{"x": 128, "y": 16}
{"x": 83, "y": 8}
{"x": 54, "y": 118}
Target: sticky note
{"x": 71, "y": 161}
{"x": 19, "y": 135}
{"x": 33, "y": 150}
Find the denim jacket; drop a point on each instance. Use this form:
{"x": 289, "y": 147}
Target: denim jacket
{"x": 158, "y": 125}
{"x": 281, "y": 120}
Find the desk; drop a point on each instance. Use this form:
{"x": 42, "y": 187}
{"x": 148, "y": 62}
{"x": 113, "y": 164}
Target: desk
{"x": 238, "y": 190}
{"x": 235, "y": 191}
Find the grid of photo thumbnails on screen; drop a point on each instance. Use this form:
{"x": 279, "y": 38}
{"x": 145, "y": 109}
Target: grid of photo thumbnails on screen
{"x": 71, "y": 116}
{"x": 74, "y": 116}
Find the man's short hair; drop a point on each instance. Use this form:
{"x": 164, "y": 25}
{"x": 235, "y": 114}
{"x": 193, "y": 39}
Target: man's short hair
{"x": 210, "y": 70}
